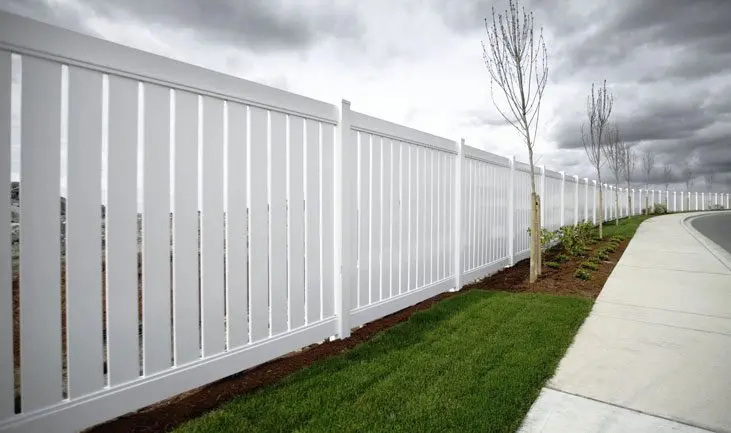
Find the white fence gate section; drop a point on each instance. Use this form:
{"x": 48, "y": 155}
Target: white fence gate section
{"x": 208, "y": 224}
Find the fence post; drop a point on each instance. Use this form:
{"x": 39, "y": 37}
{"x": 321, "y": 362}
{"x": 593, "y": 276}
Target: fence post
{"x": 675, "y": 201}
{"x": 458, "y": 217}
{"x": 696, "y": 200}
{"x": 586, "y": 200}
{"x": 593, "y": 208}
{"x": 511, "y": 213}
{"x": 563, "y": 191}
{"x": 576, "y": 200}
{"x": 703, "y": 201}
{"x": 344, "y": 194}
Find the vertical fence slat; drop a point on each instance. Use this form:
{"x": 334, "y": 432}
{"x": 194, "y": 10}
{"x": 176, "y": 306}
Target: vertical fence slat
{"x": 122, "y": 276}
{"x": 156, "y": 338}
{"x": 423, "y": 217}
{"x": 404, "y": 220}
{"x": 395, "y": 217}
{"x": 7, "y": 391}
{"x": 83, "y": 234}
{"x": 313, "y": 222}
{"x": 213, "y": 305}
{"x": 40, "y": 303}
{"x": 413, "y": 216}
{"x": 327, "y": 224}
{"x": 259, "y": 225}
{"x": 376, "y": 177}
{"x": 441, "y": 208}
{"x": 186, "y": 310}
{"x": 237, "y": 218}
{"x": 364, "y": 220}
{"x": 296, "y": 209}
{"x": 430, "y": 183}
{"x": 386, "y": 220}
{"x": 354, "y": 212}
{"x": 278, "y": 223}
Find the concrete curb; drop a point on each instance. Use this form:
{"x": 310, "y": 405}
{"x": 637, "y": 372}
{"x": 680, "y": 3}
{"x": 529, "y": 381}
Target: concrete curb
{"x": 719, "y": 253}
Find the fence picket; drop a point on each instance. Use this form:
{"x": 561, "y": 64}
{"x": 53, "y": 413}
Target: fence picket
{"x": 259, "y": 224}
{"x": 156, "y": 299}
{"x": 296, "y": 217}
{"x": 186, "y": 311}
{"x": 7, "y": 381}
{"x": 213, "y": 305}
{"x": 121, "y": 234}
{"x": 237, "y": 226}
{"x": 314, "y": 281}
{"x": 278, "y": 223}
{"x": 40, "y": 345}
{"x": 83, "y": 234}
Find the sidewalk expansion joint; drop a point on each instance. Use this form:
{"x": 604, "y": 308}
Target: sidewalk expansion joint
{"x": 686, "y": 423}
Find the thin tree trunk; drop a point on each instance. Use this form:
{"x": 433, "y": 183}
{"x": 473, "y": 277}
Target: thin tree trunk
{"x": 535, "y": 235}
{"x": 601, "y": 214}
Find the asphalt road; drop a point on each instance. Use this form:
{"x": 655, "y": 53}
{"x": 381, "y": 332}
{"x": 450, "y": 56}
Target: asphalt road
{"x": 716, "y": 227}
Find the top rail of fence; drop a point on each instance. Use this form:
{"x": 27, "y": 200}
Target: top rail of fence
{"x": 32, "y": 38}
{"x": 481, "y": 155}
{"x": 373, "y": 125}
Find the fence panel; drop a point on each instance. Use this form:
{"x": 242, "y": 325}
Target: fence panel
{"x": 484, "y": 239}
{"x": 416, "y": 212}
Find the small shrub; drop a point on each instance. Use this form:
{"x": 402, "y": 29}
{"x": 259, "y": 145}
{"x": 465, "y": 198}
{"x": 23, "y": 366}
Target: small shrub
{"x": 610, "y": 248}
{"x": 601, "y": 255}
{"x": 594, "y": 260}
{"x": 582, "y": 274}
{"x": 590, "y": 265}
{"x": 571, "y": 240}
{"x": 660, "y": 209}
{"x": 562, "y": 258}
{"x": 553, "y": 265}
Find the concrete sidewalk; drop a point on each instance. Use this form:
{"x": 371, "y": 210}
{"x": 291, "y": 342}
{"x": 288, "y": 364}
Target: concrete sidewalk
{"x": 654, "y": 355}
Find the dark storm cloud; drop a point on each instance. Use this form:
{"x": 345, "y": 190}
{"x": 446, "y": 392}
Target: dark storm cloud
{"x": 255, "y": 25}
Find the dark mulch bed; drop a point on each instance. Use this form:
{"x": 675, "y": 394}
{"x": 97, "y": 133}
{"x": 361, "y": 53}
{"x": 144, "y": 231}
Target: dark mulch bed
{"x": 556, "y": 281}
{"x": 170, "y": 413}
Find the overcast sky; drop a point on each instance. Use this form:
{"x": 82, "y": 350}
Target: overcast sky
{"x": 419, "y": 63}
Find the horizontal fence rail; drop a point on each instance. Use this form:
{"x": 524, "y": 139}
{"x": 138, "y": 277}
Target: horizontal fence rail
{"x": 169, "y": 226}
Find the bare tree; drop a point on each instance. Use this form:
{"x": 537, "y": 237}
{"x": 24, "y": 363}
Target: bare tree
{"x": 688, "y": 176}
{"x": 598, "y": 109}
{"x": 710, "y": 178}
{"x": 628, "y": 169}
{"x": 517, "y": 62}
{"x": 614, "y": 153}
{"x": 648, "y": 163}
{"x": 668, "y": 176}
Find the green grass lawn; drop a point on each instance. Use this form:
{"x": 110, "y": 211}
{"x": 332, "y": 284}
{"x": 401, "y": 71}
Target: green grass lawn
{"x": 627, "y": 226}
{"x": 471, "y": 363}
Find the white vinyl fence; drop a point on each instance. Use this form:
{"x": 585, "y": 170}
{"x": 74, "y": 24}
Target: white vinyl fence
{"x": 211, "y": 224}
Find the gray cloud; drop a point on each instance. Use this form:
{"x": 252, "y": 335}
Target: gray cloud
{"x": 254, "y": 25}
